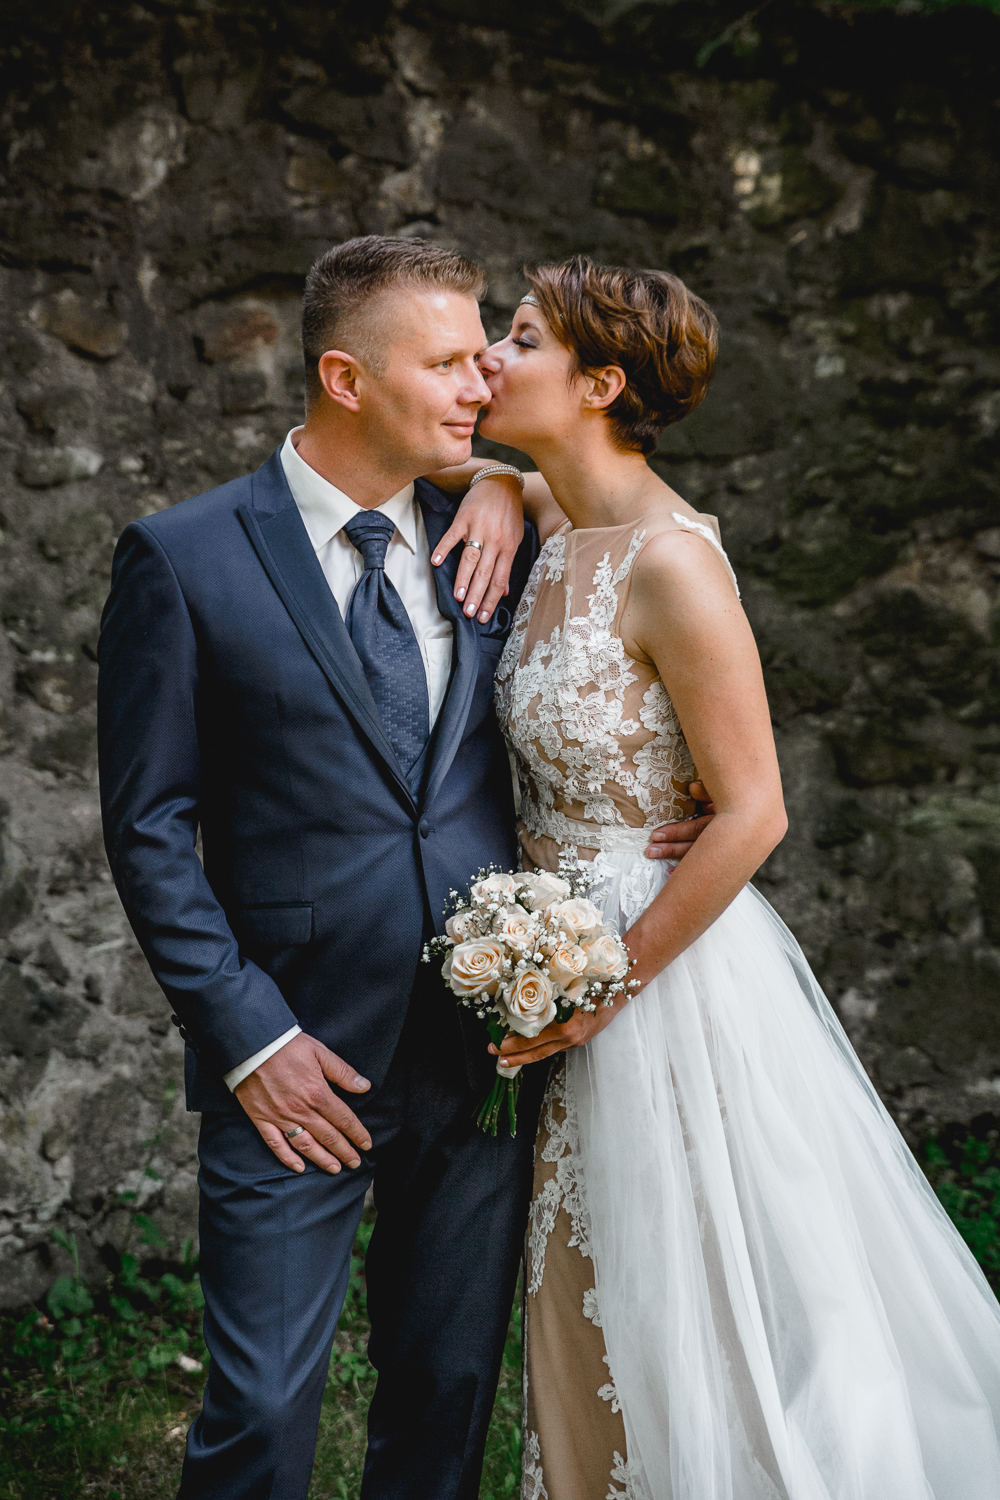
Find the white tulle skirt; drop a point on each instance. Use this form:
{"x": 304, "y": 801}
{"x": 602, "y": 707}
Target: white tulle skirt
{"x": 788, "y": 1312}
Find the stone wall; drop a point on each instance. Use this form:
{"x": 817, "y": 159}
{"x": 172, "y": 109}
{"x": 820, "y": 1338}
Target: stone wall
{"x": 827, "y": 179}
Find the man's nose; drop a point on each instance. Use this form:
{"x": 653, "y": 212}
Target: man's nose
{"x": 477, "y": 392}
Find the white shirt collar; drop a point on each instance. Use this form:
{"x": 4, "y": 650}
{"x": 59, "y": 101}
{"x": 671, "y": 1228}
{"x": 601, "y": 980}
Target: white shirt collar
{"x": 325, "y": 509}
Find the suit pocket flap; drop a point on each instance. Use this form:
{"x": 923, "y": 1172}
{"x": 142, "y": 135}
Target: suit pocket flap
{"x": 276, "y": 926}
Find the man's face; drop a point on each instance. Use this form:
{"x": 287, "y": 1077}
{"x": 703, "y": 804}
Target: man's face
{"x": 423, "y": 407}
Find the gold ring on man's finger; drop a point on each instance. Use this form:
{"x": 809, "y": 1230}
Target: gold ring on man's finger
{"x": 291, "y": 1134}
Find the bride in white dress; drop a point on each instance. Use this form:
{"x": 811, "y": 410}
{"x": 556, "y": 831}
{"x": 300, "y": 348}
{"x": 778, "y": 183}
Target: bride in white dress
{"x": 740, "y": 1285}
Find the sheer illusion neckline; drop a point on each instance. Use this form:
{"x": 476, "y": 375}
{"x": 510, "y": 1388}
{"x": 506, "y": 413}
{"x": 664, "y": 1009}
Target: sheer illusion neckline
{"x": 699, "y": 518}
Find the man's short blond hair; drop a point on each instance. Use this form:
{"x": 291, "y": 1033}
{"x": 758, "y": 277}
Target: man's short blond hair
{"x": 344, "y": 281}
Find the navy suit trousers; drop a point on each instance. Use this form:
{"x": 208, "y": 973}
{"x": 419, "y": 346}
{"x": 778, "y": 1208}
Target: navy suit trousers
{"x": 441, "y": 1271}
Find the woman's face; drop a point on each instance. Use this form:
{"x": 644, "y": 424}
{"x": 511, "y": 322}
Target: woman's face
{"x": 536, "y": 393}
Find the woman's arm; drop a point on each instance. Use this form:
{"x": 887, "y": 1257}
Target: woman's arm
{"x": 539, "y": 505}
{"x": 494, "y": 515}
{"x": 684, "y": 616}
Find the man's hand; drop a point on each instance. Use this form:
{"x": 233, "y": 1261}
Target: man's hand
{"x": 493, "y": 515}
{"x": 291, "y": 1089}
{"x": 674, "y": 840}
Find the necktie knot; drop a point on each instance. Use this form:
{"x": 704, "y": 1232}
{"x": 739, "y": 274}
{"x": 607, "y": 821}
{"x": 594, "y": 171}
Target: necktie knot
{"x": 371, "y": 532}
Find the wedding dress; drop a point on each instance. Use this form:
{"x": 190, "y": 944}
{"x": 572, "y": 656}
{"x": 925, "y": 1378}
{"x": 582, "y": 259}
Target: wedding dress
{"x": 740, "y": 1285}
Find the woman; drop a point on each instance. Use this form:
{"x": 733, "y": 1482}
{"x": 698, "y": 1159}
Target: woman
{"x": 740, "y": 1285}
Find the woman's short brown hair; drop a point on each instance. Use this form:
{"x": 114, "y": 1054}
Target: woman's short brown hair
{"x": 648, "y": 323}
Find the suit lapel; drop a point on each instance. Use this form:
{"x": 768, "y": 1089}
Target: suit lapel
{"x": 438, "y": 514}
{"x": 282, "y": 544}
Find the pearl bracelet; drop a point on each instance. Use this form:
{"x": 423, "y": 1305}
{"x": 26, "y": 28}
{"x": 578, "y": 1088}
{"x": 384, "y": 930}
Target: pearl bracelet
{"x": 493, "y": 469}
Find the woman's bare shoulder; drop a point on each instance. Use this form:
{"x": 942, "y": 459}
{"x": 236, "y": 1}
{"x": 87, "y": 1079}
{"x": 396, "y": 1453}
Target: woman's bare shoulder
{"x": 681, "y": 550}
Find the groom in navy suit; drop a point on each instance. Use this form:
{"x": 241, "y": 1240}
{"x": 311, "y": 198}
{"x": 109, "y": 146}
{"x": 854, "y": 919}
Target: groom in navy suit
{"x": 283, "y": 668}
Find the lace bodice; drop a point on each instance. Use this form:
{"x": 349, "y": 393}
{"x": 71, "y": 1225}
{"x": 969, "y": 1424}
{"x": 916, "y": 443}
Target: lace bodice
{"x": 600, "y": 753}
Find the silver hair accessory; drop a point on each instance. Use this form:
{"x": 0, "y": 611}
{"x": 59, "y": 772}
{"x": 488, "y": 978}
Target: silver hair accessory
{"x": 490, "y": 471}
{"x": 529, "y": 297}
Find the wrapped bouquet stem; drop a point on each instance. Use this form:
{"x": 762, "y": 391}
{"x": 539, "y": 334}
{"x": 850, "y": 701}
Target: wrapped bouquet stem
{"x": 524, "y": 950}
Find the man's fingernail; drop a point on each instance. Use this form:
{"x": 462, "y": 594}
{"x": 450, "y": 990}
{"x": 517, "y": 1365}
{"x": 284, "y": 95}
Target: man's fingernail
{"x": 366, "y": 1145}
{"x": 361, "y": 1083}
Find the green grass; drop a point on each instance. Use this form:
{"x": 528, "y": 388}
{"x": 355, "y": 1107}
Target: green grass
{"x": 92, "y": 1398}
{"x": 94, "y": 1406}
{"x": 965, "y": 1172}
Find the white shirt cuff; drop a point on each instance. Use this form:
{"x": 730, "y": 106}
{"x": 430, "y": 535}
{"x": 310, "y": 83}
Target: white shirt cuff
{"x": 244, "y": 1069}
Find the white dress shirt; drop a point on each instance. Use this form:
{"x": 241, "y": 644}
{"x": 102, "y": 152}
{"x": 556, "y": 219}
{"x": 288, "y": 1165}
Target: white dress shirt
{"x": 324, "y": 510}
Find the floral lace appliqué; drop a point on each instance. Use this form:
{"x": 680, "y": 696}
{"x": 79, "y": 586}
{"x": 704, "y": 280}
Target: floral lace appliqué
{"x": 555, "y": 559}
{"x": 609, "y": 1392}
{"x": 532, "y": 1479}
{"x": 567, "y": 709}
{"x": 591, "y": 1311}
{"x": 620, "y": 1474}
{"x": 564, "y": 1190}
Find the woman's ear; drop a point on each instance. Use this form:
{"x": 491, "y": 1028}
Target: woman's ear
{"x": 603, "y": 387}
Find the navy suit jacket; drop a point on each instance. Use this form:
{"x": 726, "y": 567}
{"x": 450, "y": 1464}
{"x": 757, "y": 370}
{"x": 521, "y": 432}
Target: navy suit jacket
{"x": 231, "y": 699}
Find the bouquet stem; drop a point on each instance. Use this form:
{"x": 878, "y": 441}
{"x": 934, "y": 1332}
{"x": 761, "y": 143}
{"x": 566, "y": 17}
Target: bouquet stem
{"x": 501, "y": 1100}
{"x": 502, "y": 1097}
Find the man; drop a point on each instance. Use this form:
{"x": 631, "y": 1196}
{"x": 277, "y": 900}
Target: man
{"x": 282, "y": 667}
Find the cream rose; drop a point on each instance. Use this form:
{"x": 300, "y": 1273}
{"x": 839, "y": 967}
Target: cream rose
{"x": 530, "y": 1002}
{"x": 538, "y": 891}
{"x": 577, "y": 916}
{"x": 458, "y": 925}
{"x": 567, "y": 964}
{"x": 494, "y": 888}
{"x": 472, "y": 968}
{"x": 516, "y": 927}
{"x": 605, "y": 959}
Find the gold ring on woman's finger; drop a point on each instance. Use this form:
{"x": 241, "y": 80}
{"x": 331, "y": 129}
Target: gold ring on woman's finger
{"x": 291, "y": 1134}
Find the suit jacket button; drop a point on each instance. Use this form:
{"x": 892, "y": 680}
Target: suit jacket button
{"x": 425, "y": 829}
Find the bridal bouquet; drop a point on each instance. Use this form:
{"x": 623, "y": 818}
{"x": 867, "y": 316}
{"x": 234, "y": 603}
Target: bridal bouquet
{"x": 523, "y": 951}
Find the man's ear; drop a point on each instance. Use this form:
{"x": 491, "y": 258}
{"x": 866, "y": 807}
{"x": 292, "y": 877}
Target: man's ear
{"x": 603, "y": 387}
{"x": 339, "y": 373}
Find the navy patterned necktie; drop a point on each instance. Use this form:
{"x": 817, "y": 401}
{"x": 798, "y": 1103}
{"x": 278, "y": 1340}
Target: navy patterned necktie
{"x": 384, "y": 640}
